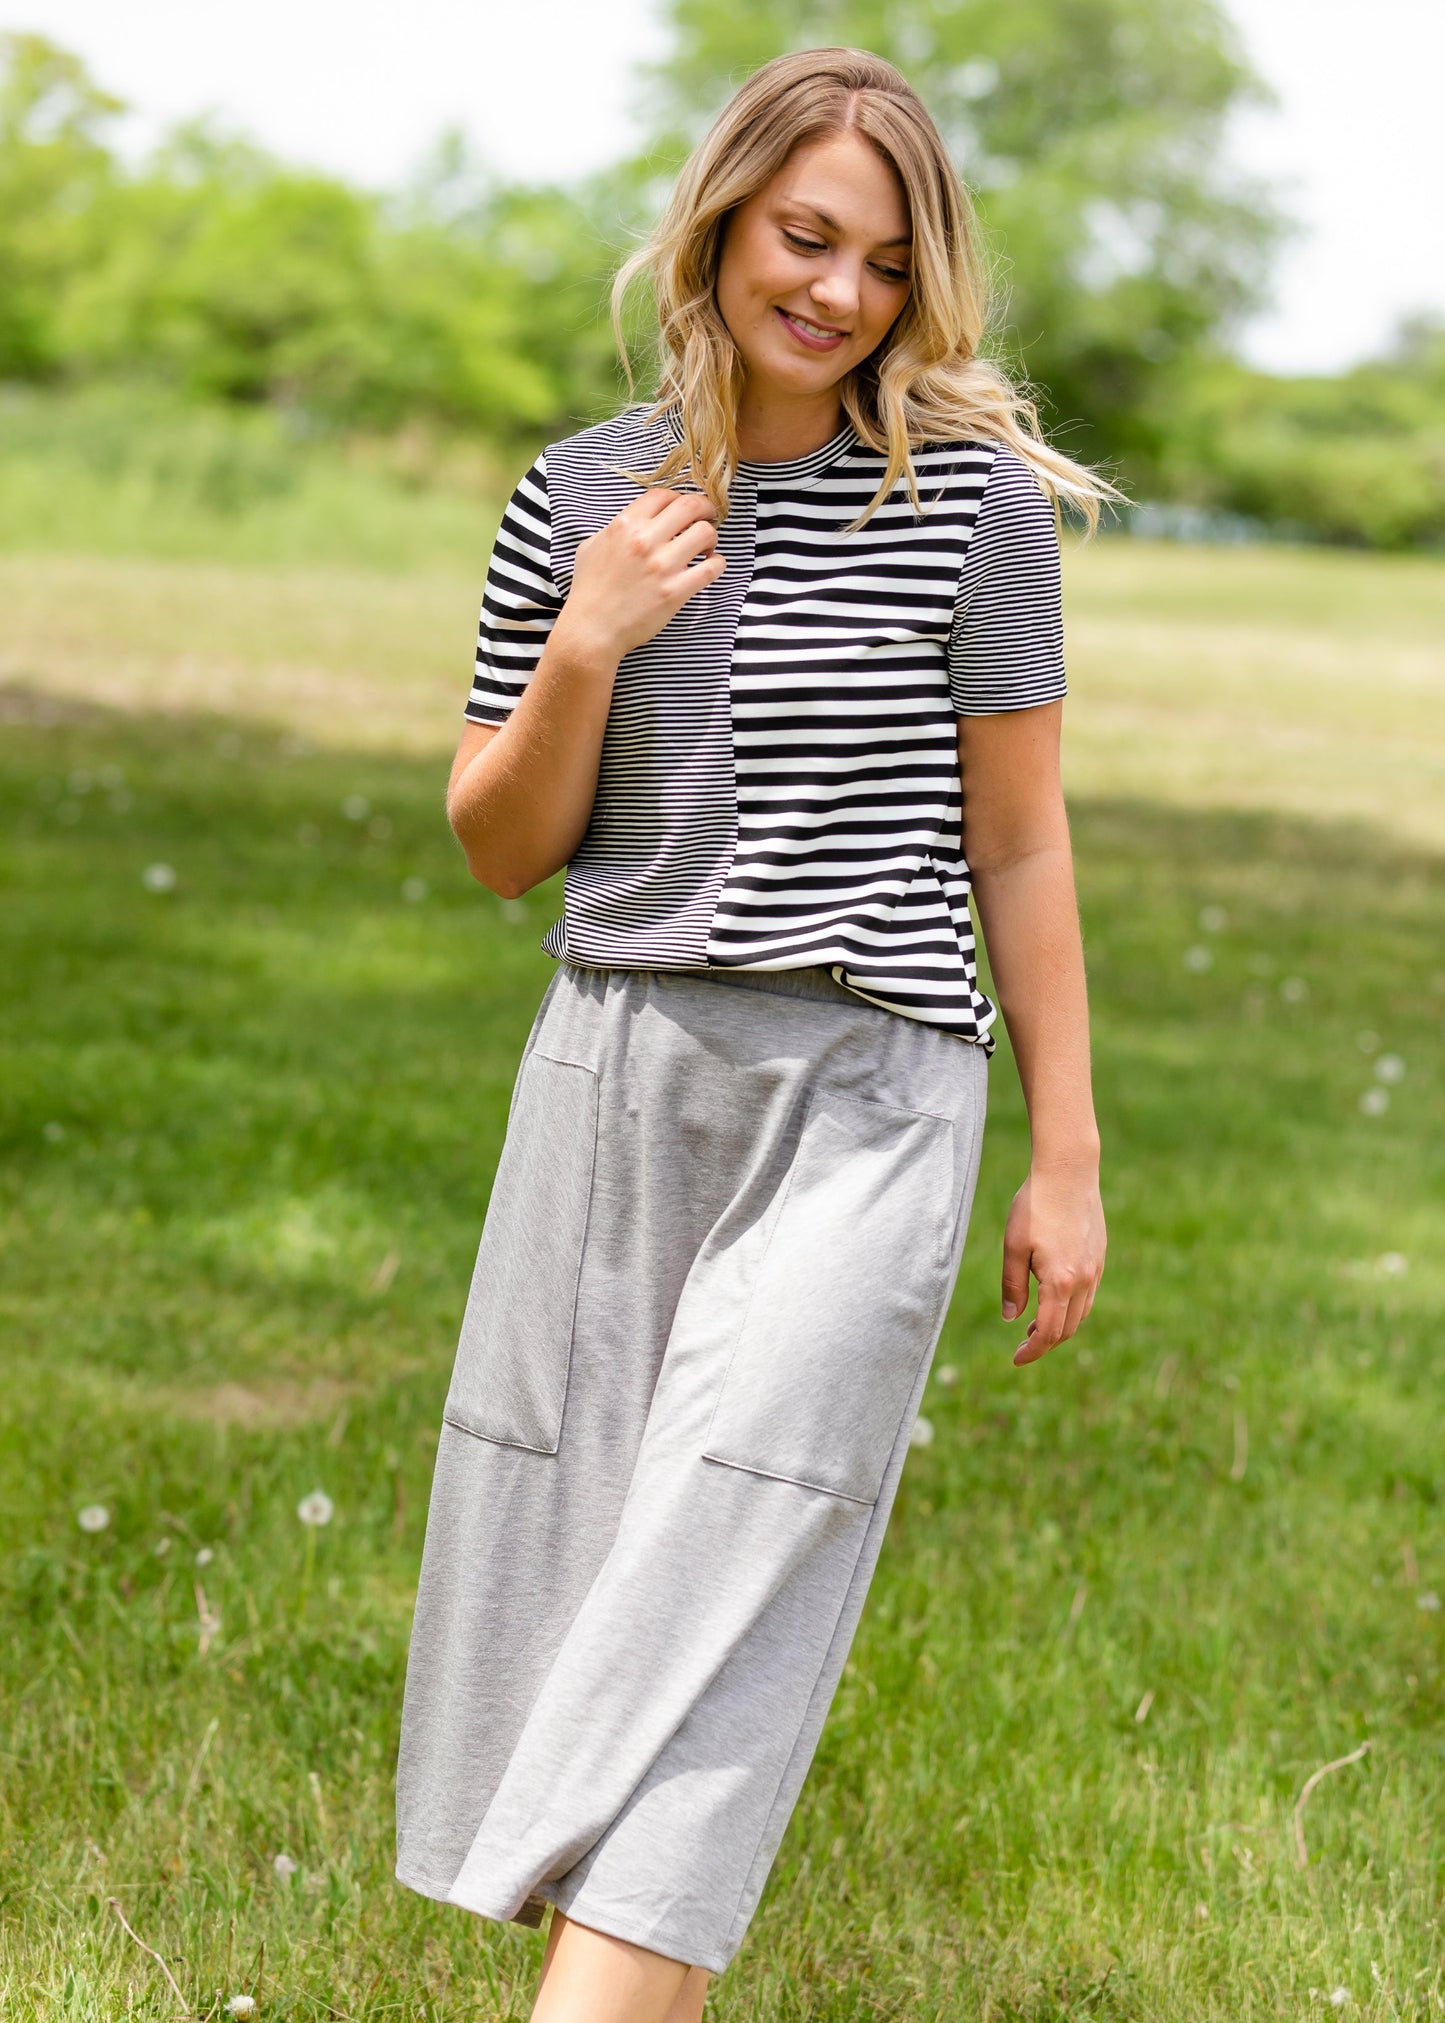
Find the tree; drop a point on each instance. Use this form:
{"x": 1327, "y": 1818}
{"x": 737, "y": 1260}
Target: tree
{"x": 55, "y": 168}
{"x": 1091, "y": 133}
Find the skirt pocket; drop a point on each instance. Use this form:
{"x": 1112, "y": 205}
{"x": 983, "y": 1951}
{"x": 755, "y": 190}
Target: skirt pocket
{"x": 509, "y": 1382}
{"x": 847, "y": 1301}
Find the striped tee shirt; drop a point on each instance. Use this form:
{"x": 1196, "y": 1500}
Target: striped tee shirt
{"x": 779, "y": 780}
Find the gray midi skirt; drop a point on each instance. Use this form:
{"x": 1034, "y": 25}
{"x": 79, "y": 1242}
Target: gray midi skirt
{"x": 724, "y": 1229}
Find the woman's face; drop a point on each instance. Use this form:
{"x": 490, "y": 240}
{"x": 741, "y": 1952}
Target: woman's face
{"x": 815, "y": 268}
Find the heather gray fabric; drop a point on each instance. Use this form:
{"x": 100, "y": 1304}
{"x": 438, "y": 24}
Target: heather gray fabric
{"x": 721, "y": 1240}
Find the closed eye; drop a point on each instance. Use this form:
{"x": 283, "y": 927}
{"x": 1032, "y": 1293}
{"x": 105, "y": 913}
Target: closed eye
{"x": 804, "y": 245}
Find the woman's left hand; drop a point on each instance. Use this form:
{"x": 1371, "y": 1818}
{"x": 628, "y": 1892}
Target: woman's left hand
{"x": 1056, "y": 1233}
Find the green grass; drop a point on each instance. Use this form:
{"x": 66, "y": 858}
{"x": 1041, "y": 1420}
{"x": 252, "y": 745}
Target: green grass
{"x": 136, "y": 471}
{"x": 250, "y": 1124}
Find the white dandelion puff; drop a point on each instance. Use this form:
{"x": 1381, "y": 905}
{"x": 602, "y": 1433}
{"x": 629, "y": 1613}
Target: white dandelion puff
{"x": 317, "y": 1508}
{"x": 1338, "y": 1997}
{"x": 1375, "y": 1102}
{"x": 241, "y": 2005}
{"x": 922, "y": 1433}
{"x": 947, "y": 1376}
{"x": 204, "y": 1556}
{"x": 1294, "y": 990}
{"x": 1389, "y": 1068}
{"x": 1427, "y": 1601}
{"x": 162, "y": 1547}
{"x": 94, "y": 1517}
{"x": 1213, "y": 919}
{"x": 159, "y": 878}
{"x": 356, "y": 807}
{"x": 414, "y": 890}
{"x": 1393, "y": 1264}
{"x": 284, "y": 1866}
{"x": 1198, "y": 959}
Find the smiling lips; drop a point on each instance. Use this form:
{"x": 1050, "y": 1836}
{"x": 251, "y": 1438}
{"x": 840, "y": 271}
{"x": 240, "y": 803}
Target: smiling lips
{"x": 816, "y": 336}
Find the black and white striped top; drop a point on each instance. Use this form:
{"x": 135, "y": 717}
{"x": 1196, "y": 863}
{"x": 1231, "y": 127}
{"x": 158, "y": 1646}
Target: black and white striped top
{"x": 779, "y": 780}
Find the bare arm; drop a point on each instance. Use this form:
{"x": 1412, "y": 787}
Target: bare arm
{"x": 521, "y": 792}
{"x": 1016, "y": 841}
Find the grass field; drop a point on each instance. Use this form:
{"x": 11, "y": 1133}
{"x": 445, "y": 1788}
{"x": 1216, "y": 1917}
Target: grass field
{"x": 1132, "y": 1598}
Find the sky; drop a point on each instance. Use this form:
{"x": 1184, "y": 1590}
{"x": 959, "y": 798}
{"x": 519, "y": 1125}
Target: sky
{"x": 1355, "y": 147}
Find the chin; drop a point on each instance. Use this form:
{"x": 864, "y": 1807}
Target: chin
{"x": 798, "y": 375}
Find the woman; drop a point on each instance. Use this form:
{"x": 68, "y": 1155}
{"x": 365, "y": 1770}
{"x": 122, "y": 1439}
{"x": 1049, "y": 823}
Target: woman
{"x": 749, "y": 658}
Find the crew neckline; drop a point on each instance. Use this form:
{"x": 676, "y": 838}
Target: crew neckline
{"x": 791, "y": 470}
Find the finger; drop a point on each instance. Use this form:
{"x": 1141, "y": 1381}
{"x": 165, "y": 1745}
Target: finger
{"x": 1044, "y": 1333}
{"x": 1077, "y": 1309}
{"x": 698, "y": 539}
{"x": 1015, "y": 1288}
{"x": 698, "y": 575}
{"x": 649, "y": 503}
{"x": 680, "y": 511}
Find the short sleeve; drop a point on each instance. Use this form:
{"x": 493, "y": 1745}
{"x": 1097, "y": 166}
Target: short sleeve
{"x": 520, "y": 602}
{"x": 1006, "y": 649}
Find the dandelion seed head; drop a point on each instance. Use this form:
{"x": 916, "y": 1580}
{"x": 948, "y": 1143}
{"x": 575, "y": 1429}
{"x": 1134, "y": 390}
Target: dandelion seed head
{"x": 948, "y": 1376}
{"x": 1375, "y": 1102}
{"x": 1338, "y": 1997}
{"x": 159, "y": 878}
{"x": 356, "y": 807}
{"x": 414, "y": 890}
{"x": 284, "y": 1866}
{"x": 80, "y": 781}
{"x": 1392, "y": 1264}
{"x": 163, "y": 1546}
{"x": 204, "y": 1556}
{"x": 1294, "y": 990}
{"x": 1427, "y": 1601}
{"x": 922, "y": 1432}
{"x": 1390, "y": 1068}
{"x": 93, "y": 1517}
{"x": 1198, "y": 959}
{"x": 1213, "y": 919}
{"x": 317, "y": 1508}
{"x": 241, "y": 2005}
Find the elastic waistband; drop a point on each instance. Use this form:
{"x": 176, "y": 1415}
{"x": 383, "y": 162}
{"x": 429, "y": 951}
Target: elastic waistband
{"x": 814, "y": 980}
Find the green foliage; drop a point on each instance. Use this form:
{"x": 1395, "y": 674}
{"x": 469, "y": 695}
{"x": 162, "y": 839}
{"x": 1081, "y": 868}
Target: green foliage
{"x": 1358, "y": 458}
{"x": 55, "y": 178}
{"x": 218, "y": 271}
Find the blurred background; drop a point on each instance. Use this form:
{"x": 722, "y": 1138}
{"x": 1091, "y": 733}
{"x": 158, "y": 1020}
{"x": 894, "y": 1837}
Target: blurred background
{"x": 1145, "y": 1717}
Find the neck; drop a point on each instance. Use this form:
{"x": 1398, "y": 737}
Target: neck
{"x": 773, "y": 428}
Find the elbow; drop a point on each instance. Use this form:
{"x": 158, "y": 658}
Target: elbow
{"x": 504, "y": 882}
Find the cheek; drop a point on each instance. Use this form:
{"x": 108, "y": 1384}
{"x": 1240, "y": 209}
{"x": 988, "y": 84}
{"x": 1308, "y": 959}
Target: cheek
{"x": 881, "y": 309}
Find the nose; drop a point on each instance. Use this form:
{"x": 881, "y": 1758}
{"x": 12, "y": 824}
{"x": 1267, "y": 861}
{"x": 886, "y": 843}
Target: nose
{"x": 836, "y": 292}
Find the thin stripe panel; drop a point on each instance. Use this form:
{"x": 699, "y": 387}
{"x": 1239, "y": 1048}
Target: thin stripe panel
{"x": 779, "y": 778}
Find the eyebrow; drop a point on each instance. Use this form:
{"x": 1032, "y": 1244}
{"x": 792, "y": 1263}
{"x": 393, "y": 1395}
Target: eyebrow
{"x": 906, "y": 239}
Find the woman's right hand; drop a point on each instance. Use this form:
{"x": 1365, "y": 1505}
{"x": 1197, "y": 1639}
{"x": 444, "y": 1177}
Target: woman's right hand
{"x": 640, "y": 571}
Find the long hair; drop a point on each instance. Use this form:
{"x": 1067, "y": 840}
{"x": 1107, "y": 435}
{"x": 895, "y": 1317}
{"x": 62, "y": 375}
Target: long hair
{"x": 926, "y": 381}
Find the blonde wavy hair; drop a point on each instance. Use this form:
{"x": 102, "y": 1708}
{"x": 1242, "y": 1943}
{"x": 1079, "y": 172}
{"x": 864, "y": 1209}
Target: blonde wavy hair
{"x": 926, "y": 382}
